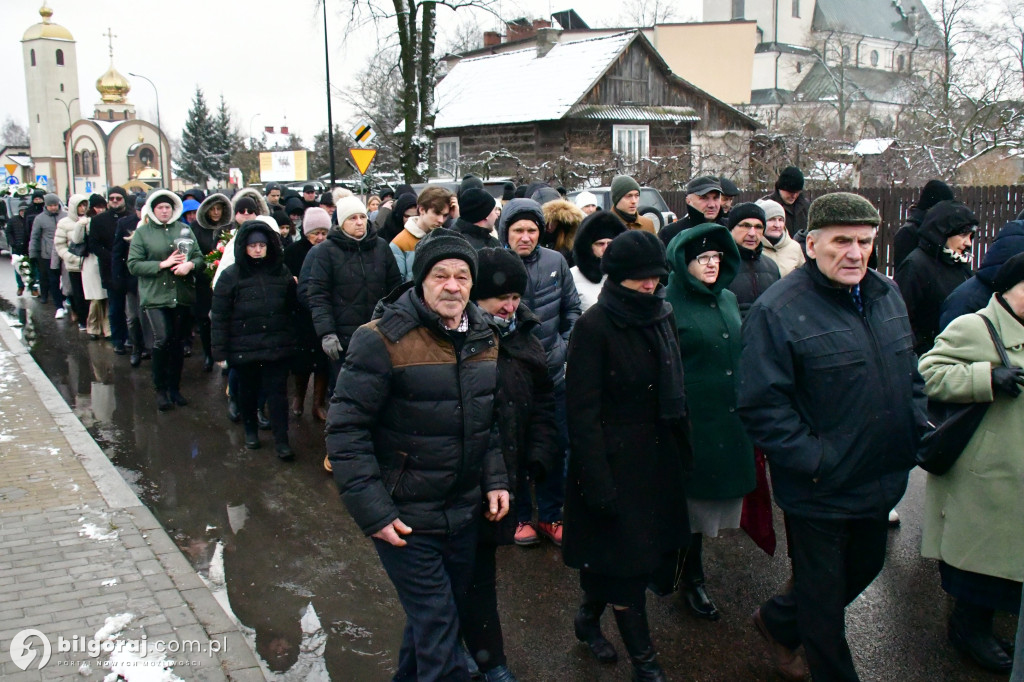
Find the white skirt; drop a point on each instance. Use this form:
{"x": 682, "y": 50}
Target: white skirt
{"x": 710, "y": 516}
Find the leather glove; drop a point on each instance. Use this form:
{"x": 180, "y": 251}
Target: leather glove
{"x": 332, "y": 346}
{"x": 1007, "y": 380}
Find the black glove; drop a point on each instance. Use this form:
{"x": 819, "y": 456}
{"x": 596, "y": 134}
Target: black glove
{"x": 1007, "y": 380}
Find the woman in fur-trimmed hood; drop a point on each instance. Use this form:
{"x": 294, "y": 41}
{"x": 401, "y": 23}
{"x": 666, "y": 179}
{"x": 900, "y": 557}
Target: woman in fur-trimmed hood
{"x": 562, "y": 220}
{"x": 215, "y": 215}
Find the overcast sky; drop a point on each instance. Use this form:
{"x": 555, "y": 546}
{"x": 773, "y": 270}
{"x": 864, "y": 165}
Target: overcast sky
{"x": 266, "y": 57}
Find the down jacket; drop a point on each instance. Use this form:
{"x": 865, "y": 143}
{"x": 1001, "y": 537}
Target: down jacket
{"x": 65, "y": 233}
{"x": 342, "y": 279}
{"x": 550, "y": 291}
{"x": 973, "y": 295}
{"x": 410, "y": 430}
{"x": 253, "y": 303}
{"x": 152, "y": 243}
{"x": 755, "y": 274}
{"x": 832, "y": 395}
{"x": 479, "y": 237}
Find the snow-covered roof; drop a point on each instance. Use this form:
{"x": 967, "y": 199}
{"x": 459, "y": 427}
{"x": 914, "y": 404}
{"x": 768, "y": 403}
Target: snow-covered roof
{"x": 517, "y": 87}
{"x": 875, "y": 145}
{"x": 106, "y": 126}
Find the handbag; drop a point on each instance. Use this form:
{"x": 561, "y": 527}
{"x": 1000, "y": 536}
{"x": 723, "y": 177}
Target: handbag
{"x": 756, "y": 518}
{"x": 80, "y": 249}
{"x": 954, "y": 423}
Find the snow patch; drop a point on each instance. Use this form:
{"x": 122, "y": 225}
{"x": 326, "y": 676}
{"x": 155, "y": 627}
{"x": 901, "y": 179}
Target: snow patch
{"x": 113, "y": 626}
{"x": 109, "y": 582}
{"x": 93, "y": 532}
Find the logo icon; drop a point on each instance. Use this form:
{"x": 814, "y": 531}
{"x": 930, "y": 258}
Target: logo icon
{"x": 22, "y": 653}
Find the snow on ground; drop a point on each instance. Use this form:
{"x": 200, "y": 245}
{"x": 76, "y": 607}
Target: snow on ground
{"x": 92, "y": 531}
{"x": 125, "y": 662}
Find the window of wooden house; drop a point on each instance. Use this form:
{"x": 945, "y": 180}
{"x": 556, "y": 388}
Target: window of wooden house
{"x": 448, "y": 155}
{"x": 631, "y": 142}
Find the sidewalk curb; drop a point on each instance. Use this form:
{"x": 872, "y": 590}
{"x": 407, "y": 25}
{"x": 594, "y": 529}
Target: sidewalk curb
{"x": 237, "y": 661}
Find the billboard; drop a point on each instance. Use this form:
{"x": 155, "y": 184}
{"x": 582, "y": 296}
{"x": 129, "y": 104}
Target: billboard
{"x": 283, "y": 166}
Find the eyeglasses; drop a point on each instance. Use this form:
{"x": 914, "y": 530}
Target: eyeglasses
{"x": 246, "y": 211}
{"x": 706, "y": 258}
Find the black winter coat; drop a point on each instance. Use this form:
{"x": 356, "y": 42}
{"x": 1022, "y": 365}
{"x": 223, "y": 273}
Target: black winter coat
{"x": 411, "y": 427}
{"x": 342, "y": 279}
{"x": 17, "y": 235}
{"x": 479, "y": 237}
{"x": 525, "y": 413}
{"x": 625, "y": 501}
{"x": 833, "y": 396}
{"x": 974, "y": 294}
{"x": 754, "y": 276}
{"x": 926, "y": 278}
{"x": 906, "y": 238}
{"x": 120, "y": 278}
{"x": 100, "y": 240}
{"x": 306, "y": 337}
{"x": 252, "y": 318}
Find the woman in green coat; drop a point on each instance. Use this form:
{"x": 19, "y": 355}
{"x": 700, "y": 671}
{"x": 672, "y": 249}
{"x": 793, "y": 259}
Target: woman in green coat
{"x": 704, "y": 261}
{"x": 973, "y": 512}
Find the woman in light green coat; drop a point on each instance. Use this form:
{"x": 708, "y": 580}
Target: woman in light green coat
{"x": 974, "y": 512}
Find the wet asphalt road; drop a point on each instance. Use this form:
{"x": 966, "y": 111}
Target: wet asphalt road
{"x": 288, "y": 542}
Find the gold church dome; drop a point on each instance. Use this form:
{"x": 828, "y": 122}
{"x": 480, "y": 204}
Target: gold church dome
{"x": 46, "y": 29}
{"x": 112, "y": 86}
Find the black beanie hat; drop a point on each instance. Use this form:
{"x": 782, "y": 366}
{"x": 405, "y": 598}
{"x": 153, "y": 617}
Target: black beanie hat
{"x": 441, "y": 244}
{"x": 117, "y": 190}
{"x": 469, "y": 182}
{"x": 96, "y": 200}
{"x": 790, "y": 179}
{"x": 508, "y": 191}
{"x": 934, "y": 191}
{"x": 246, "y": 203}
{"x": 520, "y": 192}
{"x": 600, "y": 225}
{"x": 635, "y": 254}
{"x": 695, "y": 247}
{"x": 499, "y": 272}
{"x": 744, "y": 211}
{"x": 256, "y": 237}
{"x": 475, "y": 204}
{"x": 1010, "y": 274}
{"x": 163, "y": 199}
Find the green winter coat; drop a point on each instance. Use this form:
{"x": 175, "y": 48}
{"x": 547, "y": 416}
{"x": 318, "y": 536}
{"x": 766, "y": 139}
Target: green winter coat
{"x": 972, "y": 513}
{"x": 708, "y": 320}
{"x": 151, "y": 244}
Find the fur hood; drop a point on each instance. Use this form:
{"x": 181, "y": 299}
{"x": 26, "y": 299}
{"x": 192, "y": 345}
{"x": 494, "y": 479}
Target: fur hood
{"x": 147, "y": 210}
{"x": 253, "y": 194}
{"x": 227, "y": 215}
{"x": 562, "y": 216}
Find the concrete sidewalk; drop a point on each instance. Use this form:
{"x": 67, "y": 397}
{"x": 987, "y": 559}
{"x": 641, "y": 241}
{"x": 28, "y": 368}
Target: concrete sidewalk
{"x": 85, "y": 564}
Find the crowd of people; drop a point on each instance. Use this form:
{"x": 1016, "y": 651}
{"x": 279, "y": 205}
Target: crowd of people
{"x": 529, "y": 368}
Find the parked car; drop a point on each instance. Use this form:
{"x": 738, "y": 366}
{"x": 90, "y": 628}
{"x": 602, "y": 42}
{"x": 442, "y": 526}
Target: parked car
{"x": 652, "y": 204}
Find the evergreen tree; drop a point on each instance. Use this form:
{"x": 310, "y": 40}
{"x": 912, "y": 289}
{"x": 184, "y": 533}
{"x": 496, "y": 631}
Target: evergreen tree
{"x": 197, "y": 155}
{"x": 225, "y": 140}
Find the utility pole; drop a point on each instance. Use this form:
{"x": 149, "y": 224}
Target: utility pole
{"x": 330, "y": 121}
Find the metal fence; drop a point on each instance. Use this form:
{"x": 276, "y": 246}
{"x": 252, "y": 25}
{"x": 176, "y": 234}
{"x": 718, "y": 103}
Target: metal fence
{"x": 994, "y": 206}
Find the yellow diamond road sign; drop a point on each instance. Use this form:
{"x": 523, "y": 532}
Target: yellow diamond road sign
{"x": 363, "y": 133}
{"x": 362, "y": 157}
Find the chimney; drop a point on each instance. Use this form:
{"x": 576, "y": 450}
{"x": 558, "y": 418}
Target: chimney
{"x": 538, "y": 24}
{"x": 912, "y": 20}
{"x": 492, "y": 38}
{"x": 547, "y": 38}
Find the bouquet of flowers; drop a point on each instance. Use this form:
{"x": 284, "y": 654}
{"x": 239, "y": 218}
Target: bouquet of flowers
{"x": 213, "y": 258}
{"x": 24, "y": 189}
{"x": 24, "y": 266}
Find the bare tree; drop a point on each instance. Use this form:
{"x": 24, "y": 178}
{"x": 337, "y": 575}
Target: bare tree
{"x": 13, "y": 134}
{"x": 649, "y": 12}
{"x": 375, "y": 97}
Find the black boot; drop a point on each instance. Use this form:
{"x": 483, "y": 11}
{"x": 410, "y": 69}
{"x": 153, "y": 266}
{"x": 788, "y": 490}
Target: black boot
{"x": 234, "y": 414}
{"x": 252, "y": 436}
{"x": 696, "y": 594}
{"x": 177, "y": 397}
{"x": 636, "y": 635}
{"x": 135, "y": 359}
{"x": 970, "y": 631}
{"x": 263, "y": 420}
{"x": 163, "y": 401}
{"x": 587, "y": 624}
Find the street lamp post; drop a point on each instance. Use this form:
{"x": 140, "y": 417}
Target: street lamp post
{"x": 67, "y": 161}
{"x": 165, "y": 173}
{"x": 330, "y": 122}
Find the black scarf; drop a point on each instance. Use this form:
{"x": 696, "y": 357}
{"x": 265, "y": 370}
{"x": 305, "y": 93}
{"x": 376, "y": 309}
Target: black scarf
{"x": 628, "y": 217}
{"x": 653, "y": 315}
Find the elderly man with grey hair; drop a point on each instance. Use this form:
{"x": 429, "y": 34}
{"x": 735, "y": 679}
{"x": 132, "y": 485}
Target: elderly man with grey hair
{"x": 829, "y": 389}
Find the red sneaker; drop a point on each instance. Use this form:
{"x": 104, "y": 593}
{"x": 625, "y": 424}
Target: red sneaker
{"x": 525, "y": 534}
{"x": 551, "y": 530}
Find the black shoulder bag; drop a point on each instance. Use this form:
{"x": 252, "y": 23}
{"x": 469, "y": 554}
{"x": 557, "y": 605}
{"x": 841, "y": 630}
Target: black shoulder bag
{"x": 955, "y": 423}
{"x": 80, "y": 249}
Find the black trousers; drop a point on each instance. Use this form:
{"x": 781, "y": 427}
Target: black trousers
{"x": 270, "y": 379}
{"x": 169, "y": 327}
{"x": 481, "y": 627}
{"x": 834, "y": 560}
{"x": 79, "y": 305}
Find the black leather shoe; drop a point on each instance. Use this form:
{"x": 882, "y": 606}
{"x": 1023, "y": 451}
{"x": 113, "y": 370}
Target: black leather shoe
{"x": 233, "y": 413}
{"x": 699, "y": 601}
{"x": 262, "y": 420}
{"x": 208, "y": 363}
{"x": 178, "y": 398}
{"x": 982, "y": 647}
{"x": 135, "y": 359}
{"x": 252, "y": 440}
{"x": 283, "y": 451}
{"x": 587, "y": 625}
{"x": 163, "y": 401}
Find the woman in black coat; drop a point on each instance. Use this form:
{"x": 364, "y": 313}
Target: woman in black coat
{"x": 940, "y": 263}
{"x": 625, "y": 503}
{"x": 525, "y": 405}
{"x": 253, "y": 328}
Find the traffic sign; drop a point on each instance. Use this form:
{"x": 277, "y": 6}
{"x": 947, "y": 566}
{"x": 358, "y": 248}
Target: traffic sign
{"x": 363, "y": 133}
{"x": 12, "y": 180}
{"x": 362, "y": 157}
{"x": 11, "y": 167}
{"x": 42, "y": 180}
{"x": 88, "y": 186}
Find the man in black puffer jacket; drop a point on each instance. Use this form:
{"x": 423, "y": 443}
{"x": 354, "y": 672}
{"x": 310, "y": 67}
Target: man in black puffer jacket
{"x": 412, "y": 441}
{"x": 343, "y": 278}
{"x": 253, "y": 328}
{"x": 551, "y": 295}
{"x": 746, "y": 222}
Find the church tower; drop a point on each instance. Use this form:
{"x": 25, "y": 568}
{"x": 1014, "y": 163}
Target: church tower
{"x": 51, "y": 79}
{"x": 113, "y": 89}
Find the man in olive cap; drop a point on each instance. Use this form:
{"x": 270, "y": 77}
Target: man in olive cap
{"x": 625, "y": 202}
{"x": 829, "y": 389}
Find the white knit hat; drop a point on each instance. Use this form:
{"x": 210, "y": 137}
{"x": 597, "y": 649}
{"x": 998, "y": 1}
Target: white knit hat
{"x": 586, "y": 199}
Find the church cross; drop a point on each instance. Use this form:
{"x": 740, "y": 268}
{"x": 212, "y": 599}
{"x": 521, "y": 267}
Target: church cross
{"x": 110, "y": 41}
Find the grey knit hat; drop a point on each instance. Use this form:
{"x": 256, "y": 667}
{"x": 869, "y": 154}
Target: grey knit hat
{"x": 841, "y": 208}
{"x": 441, "y": 244}
{"x": 51, "y": 200}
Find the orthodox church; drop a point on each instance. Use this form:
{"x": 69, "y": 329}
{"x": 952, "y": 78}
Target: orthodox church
{"x": 81, "y": 155}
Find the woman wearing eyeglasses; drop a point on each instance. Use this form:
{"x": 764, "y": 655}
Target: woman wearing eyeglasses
{"x": 704, "y": 261}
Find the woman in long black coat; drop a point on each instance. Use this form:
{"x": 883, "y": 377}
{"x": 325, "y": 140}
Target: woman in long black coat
{"x": 525, "y": 406}
{"x": 625, "y": 503}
